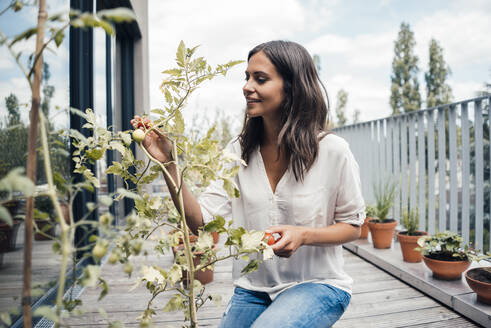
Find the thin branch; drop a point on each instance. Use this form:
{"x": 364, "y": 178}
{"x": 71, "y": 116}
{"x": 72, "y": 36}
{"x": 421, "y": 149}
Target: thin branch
{"x": 44, "y": 46}
{"x": 17, "y": 59}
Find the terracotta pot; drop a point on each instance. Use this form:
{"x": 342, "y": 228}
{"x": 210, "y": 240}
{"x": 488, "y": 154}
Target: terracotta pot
{"x": 446, "y": 270}
{"x": 65, "y": 209}
{"x": 382, "y": 233}
{"x": 408, "y": 244}
{"x": 481, "y": 288}
{"x": 216, "y": 237}
{"x": 8, "y": 235}
{"x": 364, "y": 228}
{"x": 203, "y": 276}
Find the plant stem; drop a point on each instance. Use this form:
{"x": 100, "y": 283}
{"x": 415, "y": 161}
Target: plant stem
{"x": 187, "y": 245}
{"x": 65, "y": 241}
{"x": 31, "y": 165}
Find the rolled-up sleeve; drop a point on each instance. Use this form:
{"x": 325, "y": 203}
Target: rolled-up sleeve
{"x": 350, "y": 206}
{"x": 215, "y": 201}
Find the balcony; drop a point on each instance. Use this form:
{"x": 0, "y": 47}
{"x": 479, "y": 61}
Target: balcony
{"x": 439, "y": 158}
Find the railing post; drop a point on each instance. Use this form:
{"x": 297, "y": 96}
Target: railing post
{"x": 421, "y": 173}
{"x": 431, "y": 172}
{"x": 478, "y": 160}
{"x": 465, "y": 172}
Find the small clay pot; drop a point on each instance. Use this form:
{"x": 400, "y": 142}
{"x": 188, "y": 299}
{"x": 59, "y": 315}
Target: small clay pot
{"x": 408, "y": 244}
{"x": 382, "y": 232}
{"x": 364, "y": 228}
{"x": 203, "y": 276}
{"x": 8, "y": 235}
{"x": 65, "y": 210}
{"x": 446, "y": 270}
{"x": 474, "y": 279}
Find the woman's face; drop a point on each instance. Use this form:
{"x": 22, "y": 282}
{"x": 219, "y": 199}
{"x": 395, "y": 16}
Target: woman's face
{"x": 264, "y": 87}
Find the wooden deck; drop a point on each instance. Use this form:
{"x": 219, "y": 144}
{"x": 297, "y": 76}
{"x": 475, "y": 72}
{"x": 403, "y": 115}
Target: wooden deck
{"x": 379, "y": 300}
{"x": 45, "y": 266}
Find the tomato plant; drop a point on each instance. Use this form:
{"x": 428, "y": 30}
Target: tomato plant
{"x": 138, "y": 135}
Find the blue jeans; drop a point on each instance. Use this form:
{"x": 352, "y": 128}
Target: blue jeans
{"x": 304, "y": 305}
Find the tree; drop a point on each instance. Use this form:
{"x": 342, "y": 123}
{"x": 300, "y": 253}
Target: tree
{"x": 405, "y": 96}
{"x": 12, "y": 104}
{"x": 317, "y": 63}
{"x": 438, "y": 92}
{"x": 486, "y": 91}
{"x": 13, "y": 136}
{"x": 356, "y": 116}
{"x": 48, "y": 90}
{"x": 341, "y": 101}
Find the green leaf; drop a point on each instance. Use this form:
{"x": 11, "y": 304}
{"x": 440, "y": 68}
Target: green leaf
{"x": 5, "y": 216}
{"x": 108, "y": 28}
{"x": 217, "y": 299}
{"x": 5, "y": 317}
{"x": 253, "y": 265}
{"x": 179, "y": 120}
{"x": 95, "y": 153}
{"x": 16, "y": 181}
{"x": 24, "y": 35}
{"x": 252, "y": 240}
{"x": 180, "y": 54}
{"x": 104, "y": 291}
{"x": 91, "y": 275}
{"x": 128, "y": 194}
{"x": 59, "y": 38}
{"x": 173, "y": 71}
{"x": 116, "y": 145}
{"x": 106, "y": 200}
{"x": 175, "y": 273}
{"x": 205, "y": 240}
{"x": 46, "y": 311}
{"x": 78, "y": 112}
{"x": 218, "y": 224}
{"x": 118, "y": 15}
{"x": 177, "y": 302}
{"x": 234, "y": 62}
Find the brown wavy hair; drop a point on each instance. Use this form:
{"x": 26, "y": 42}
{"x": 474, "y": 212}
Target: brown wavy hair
{"x": 304, "y": 112}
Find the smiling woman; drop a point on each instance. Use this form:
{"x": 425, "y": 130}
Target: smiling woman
{"x": 301, "y": 184}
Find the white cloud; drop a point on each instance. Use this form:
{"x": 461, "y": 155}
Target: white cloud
{"x": 225, "y": 30}
{"x": 463, "y": 34}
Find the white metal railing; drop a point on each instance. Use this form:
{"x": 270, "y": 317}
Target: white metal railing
{"x": 450, "y": 188}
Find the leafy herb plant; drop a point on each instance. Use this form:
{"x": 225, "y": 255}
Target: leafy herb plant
{"x": 448, "y": 246}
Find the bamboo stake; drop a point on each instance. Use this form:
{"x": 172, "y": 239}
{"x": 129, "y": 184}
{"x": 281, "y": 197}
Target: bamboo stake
{"x": 31, "y": 164}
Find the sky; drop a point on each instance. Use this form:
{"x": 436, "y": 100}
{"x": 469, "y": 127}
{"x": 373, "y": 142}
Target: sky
{"x": 354, "y": 39}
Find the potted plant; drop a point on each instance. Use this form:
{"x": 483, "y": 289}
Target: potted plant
{"x": 370, "y": 214}
{"x": 479, "y": 280}
{"x": 8, "y": 232}
{"x": 43, "y": 218}
{"x": 205, "y": 275}
{"x": 409, "y": 239}
{"x": 381, "y": 227}
{"x": 446, "y": 256}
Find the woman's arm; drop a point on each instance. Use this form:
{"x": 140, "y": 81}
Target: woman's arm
{"x": 194, "y": 217}
{"x": 292, "y": 237}
{"x": 160, "y": 148}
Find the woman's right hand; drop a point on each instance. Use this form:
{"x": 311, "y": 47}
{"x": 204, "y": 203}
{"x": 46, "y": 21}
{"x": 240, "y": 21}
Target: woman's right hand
{"x": 157, "y": 144}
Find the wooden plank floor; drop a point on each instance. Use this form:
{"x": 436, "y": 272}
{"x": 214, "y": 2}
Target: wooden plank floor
{"x": 45, "y": 266}
{"x": 379, "y": 300}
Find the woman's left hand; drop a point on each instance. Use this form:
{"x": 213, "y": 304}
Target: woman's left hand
{"x": 291, "y": 238}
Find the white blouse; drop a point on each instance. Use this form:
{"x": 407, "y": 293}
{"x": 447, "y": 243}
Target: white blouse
{"x": 329, "y": 193}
